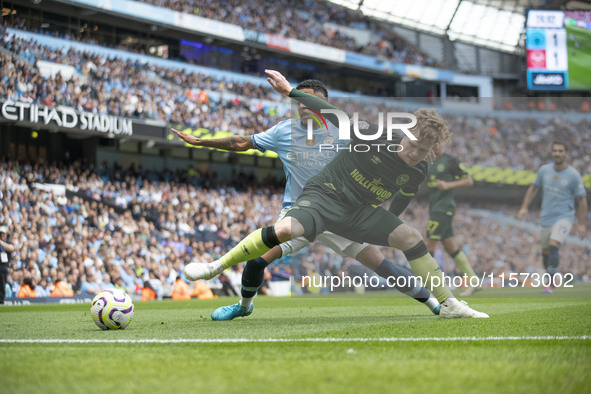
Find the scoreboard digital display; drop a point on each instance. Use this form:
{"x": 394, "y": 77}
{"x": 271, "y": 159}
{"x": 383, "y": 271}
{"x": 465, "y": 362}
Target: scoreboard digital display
{"x": 558, "y": 45}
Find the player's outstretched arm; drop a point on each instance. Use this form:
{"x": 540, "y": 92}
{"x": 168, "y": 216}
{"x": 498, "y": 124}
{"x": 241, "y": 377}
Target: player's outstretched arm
{"x": 235, "y": 143}
{"x": 466, "y": 181}
{"x": 282, "y": 86}
{"x": 529, "y": 196}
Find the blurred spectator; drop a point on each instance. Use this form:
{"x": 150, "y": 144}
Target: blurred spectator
{"x": 89, "y": 286}
{"x": 180, "y": 290}
{"x": 27, "y": 288}
{"x": 201, "y": 291}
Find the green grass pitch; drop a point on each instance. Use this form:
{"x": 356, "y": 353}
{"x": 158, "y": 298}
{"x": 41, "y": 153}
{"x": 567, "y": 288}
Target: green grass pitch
{"x": 579, "y": 59}
{"x": 518, "y": 360}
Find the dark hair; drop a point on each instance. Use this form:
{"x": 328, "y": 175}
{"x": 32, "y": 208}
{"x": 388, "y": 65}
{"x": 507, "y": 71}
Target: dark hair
{"x": 315, "y": 85}
{"x": 560, "y": 143}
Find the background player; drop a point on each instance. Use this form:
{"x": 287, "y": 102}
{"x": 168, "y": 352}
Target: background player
{"x": 289, "y": 140}
{"x": 561, "y": 186}
{"x": 445, "y": 175}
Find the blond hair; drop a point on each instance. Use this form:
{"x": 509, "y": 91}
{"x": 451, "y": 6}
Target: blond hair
{"x": 430, "y": 125}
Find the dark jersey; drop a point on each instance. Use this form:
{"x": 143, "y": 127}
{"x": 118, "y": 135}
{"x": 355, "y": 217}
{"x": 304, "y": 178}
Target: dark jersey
{"x": 446, "y": 168}
{"x": 371, "y": 178}
{"x": 365, "y": 177}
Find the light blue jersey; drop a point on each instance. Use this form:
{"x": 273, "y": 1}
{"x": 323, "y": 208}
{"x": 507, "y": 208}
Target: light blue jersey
{"x": 302, "y": 159}
{"x": 559, "y": 190}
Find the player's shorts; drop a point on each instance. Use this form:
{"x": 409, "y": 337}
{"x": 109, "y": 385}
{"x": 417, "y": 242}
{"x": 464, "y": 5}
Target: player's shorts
{"x": 319, "y": 210}
{"x": 342, "y": 246}
{"x": 557, "y": 232}
{"x": 440, "y": 226}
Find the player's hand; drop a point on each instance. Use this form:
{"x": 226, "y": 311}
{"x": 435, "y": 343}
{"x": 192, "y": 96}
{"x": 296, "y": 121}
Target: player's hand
{"x": 278, "y": 82}
{"x": 443, "y": 185}
{"x": 521, "y": 213}
{"x": 189, "y": 139}
{"x": 431, "y": 157}
{"x": 581, "y": 231}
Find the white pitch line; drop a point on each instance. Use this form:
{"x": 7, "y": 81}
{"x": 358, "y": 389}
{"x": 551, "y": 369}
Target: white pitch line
{"x": 295, "y": 340}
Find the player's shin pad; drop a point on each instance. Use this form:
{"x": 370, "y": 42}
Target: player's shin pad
{"x": 426, "y": 267}
{"x": 462, "y": 263}
{"x": 254, "y": 245}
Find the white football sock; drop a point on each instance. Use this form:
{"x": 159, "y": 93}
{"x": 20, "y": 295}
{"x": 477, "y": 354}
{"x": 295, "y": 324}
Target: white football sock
{"x": 246, "y": 301}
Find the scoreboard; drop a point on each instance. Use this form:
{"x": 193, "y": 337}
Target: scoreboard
{"x": 547, "y": 55}
{"x": 558, "y": 46}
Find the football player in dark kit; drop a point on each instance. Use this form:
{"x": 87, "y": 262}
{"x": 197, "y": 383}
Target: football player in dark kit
{"x": 344, "y": 198}
{"x": 445, "y": 175}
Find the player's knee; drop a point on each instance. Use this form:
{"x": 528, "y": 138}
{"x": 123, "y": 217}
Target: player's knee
{"x": 288, "y": 228}
{"x": 414, "y": 237}
{"x": 404, "y": 237}
{"x": 283, "y": 229}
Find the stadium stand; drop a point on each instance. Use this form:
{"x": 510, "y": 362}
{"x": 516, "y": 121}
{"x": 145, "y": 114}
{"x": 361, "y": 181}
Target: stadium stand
{"x": 292, "y": 19}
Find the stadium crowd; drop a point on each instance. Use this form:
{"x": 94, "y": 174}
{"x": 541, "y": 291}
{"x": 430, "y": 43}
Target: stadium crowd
{"x": 132, "y": 229}
{"x": 124, "y": 234}
{"x": 305, "y": 21}
{"x": 129, "y": 89}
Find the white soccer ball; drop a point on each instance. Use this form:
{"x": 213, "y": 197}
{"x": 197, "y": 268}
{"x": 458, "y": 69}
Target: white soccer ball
{"x": 112, "y": 309}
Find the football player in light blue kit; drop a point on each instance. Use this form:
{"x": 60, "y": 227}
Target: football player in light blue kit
{"x": 301, "y": 159}
{"x": 561, "y": 186}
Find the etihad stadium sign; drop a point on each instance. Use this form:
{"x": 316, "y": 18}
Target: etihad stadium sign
{"x": 62, "y": 117}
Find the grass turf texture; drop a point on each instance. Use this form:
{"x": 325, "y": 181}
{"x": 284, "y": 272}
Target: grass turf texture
{"x": 579, "y": 59}
{"x": 429, "y": 366}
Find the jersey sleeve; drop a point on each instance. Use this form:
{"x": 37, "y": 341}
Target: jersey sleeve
{"x": 316, "y": 104}
{"x": 457, "y": 168}
{"x": 580, "y": 187}
{"x": 403, "y": 196}
{"x": 266, "y": 140}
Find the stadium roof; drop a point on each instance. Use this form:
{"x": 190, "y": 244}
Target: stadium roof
{"x": 493, "y": 23}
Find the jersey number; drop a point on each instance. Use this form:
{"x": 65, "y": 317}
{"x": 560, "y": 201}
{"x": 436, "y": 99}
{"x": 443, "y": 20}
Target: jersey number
{"x": 432, "y": 225}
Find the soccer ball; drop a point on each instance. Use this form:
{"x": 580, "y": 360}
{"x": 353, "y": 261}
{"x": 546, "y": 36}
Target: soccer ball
{"x": 112, "y": 309}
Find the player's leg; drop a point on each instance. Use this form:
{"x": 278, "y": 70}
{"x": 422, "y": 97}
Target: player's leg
{"x": 461, "y": 261}
{"x": 403, "y": 280}
{"x": 372, "y": 258}
{"x": 409, "y": 240}
{"x": 424, "y": 265}
{"x": 553, "y": 260}
{"x": 558, "y": 235}
{"x": 545, "y": 243}
{"x": 431, "y": 244}
{"x": 252, "y": 246}
{"x": 252, "y": 279}
{"x": 378, "y": 226}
